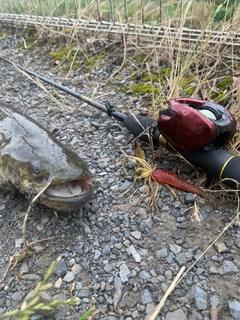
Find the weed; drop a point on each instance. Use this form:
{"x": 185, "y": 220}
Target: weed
{"x": 34, "y": 304}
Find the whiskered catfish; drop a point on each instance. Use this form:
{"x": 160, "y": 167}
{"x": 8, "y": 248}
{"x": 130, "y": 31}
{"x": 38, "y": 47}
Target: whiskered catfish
{"x": 30, "y": 157}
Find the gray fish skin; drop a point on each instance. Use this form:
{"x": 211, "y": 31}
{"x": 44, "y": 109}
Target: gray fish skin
{"x": 30, "y": 156}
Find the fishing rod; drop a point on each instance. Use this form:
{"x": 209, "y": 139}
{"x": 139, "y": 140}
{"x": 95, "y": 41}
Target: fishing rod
{"x": 196, "y": 129}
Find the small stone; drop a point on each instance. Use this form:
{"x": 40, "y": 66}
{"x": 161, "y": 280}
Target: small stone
{"x": 68, "y": 277}
{"x": 24, "y": 268}
{"x": 117, "y": 284}
{"x": 189, "y": 198}
{"x": 125, "y": 186}
{"x": 177, "y": 236}
{"x": 175, "y": 248}
{"x": 58, "y": 283}
{"x": 162, "y": 253}
{"x": 78, "y": 285}
{"x": 181, "y": 258}
{"x": 234, "y": 308}
{"x": 150, "y": 307}
{"x": 176, "y": 315}
{"x": 147, "y": 223}
{"x": 32, "y": 277}
{"x": 169, "y": 258}
{"x": 199, "y": 257}
{"x": 18, "y": 243}
{"x": 213, "y": 270}
{"x": 196, "y": 315}
{"x": 124, "y": 273}
{"x": 2, "y": 301}
{"x": 108, "y": 267}
{"x": 106, "y": 250}
{"x": 87, "y": 229}
{"x": 61, "y": 269}
{"x": 168, "y": 274}
{"x": 144, "y": 275}
{"x": 136, "y": 234}
{"x": 79, "y": 247}
{"x": 197, "y": 292}
{"x": 228, "y": 267}
{"x": 83, "y": 293}
{"x": 16, "y": 296}
{"x": 61, "y": 312}
{"x": 120, "y": 137}
{"x": 146, "y": 297}
{"x": 131, "y": 250}
{"x": 130, "y": 302}
{"x": 201, "y": 304}
{"x": 214, "y": 301}
{"x": 237, "y": 242}
{"x": 182, "y": 225}
{"x": 76, "y": 268}
{"x": 221, "y": 248}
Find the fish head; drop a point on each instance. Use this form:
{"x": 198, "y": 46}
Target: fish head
{"x": 31, "y": 161}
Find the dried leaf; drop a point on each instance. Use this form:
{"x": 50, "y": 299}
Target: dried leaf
{"x": 139, "y": 153}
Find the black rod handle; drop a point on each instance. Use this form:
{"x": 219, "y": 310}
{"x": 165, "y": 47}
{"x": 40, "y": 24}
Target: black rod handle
{"x": 218, "y": 163}
{"x": 144, "y": 128}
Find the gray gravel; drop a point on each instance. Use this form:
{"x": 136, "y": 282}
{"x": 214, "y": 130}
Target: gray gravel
{"x": 115, "y": 255}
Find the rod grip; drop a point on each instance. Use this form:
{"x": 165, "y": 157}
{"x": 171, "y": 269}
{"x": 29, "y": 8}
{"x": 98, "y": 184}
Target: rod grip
{"x": 142, "y": 128}
{"x": 217, "y": 163}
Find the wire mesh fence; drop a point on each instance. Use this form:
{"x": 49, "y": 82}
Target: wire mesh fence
{"x": 108, "y": 10}
{"x": 151, "y": 21}
{"x": 133, "y": 11}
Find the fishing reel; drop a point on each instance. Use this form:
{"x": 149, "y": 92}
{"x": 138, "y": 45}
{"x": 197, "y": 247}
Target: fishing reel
{"x": 190, "y": 124}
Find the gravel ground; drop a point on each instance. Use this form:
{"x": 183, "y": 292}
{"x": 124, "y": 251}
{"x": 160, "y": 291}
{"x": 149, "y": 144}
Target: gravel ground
{"x": 116, "y": 253}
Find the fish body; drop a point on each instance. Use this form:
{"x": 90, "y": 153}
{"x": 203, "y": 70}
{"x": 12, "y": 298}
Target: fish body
{"x": 30, "y": 157}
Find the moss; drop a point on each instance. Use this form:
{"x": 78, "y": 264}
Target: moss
{"x": 89, "y": 62}
{"x": 225, "y": 83}
{"x": 29, "y": 32}
{"x": 188, "y": 85}
{"x": 219, "y": 96}
{"x": 70, "y": 54}
{"x": 139, "y": 59}
{"x": 63, "y": 53}
{"x": 76, "y": 66}
{"x": 28, "y": 42}
{"x": 221, "y": 92}
{"x": 189, "y": 91}
{"x": 143, "y": 88}
{"x": 102, "y": 55}
{"x": 153, "y": 77}
{"x": 164, "y": 73}
{"x": 68, "y": 30}
{"x": 67, "y": 67}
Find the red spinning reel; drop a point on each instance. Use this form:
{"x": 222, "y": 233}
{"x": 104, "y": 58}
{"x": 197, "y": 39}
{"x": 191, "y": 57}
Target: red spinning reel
{"x": 190, "y": 124}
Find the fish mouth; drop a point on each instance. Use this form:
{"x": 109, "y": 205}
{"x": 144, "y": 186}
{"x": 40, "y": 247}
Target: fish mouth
{"x": 67, "y": 196}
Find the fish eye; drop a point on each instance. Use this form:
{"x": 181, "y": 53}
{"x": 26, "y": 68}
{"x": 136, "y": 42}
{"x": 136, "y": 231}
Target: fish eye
{"x": 36, "y": 168}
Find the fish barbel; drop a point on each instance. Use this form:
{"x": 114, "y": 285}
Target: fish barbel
{"x": 30, "y": 157}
